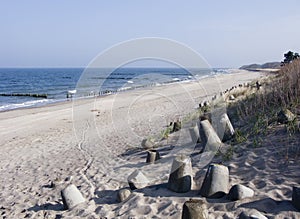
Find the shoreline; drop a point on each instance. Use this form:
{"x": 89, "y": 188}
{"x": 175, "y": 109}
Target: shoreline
{"x": 61, "y": 101}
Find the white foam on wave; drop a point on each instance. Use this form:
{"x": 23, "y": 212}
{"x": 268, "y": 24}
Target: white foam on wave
{"x": 31, "y": 103}
{"x": 124, "y": 88}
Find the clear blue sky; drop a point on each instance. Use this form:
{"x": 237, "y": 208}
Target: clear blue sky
{"x": 71, "y": 33}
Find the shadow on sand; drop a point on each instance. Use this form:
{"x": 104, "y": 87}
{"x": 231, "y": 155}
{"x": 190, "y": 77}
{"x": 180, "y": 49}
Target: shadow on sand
{"x": 47, "y": 206}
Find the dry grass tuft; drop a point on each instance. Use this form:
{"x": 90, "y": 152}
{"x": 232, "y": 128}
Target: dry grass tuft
{"x": 282, "y": 92}
{"x": 257, "y": 112}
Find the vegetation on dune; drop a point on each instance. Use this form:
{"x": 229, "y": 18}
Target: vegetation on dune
{"x": 259, "y": 111}
{"x": 283, "y": 91}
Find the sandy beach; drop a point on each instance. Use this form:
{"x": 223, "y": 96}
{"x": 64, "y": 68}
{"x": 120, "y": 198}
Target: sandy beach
{"x": 95, "y": 144}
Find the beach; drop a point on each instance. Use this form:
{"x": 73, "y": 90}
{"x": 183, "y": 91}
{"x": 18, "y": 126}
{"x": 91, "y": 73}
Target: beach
{"x": 95, "y": 144}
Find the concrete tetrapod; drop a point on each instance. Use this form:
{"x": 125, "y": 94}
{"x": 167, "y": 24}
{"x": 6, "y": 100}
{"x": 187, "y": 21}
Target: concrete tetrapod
{"x": 123, "y": 195}
{"x": 216, "y": 181}
{"x": 194, "y": 209}
{"x": 137, "y": 180}
{"x": 152, "y": 156}
{"x": 147, "y": 144}
{"x": 71, "y": 196}
{"x": 180, "y": 179}
{"x": 239, "y": 191}
{"x": 194, "y": 132}
{"x": 225, "y": 129}
{"x": 209, "y": 138}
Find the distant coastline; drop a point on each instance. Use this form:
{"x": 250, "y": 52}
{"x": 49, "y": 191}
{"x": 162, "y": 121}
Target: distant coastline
{"x": 269, "y": 66}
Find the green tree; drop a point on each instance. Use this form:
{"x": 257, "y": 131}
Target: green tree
{"x": 290, "y": 56}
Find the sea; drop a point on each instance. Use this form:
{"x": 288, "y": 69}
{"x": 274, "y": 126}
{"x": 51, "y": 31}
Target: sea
{"x": 34, "y": 87}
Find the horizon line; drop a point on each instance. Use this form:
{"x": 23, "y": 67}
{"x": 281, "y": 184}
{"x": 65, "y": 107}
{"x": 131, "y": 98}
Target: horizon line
{"x": 81, "y": 67}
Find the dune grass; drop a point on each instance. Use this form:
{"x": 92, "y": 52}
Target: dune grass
{"x": 257, "y": 112}
{"x": 283, "y": 91}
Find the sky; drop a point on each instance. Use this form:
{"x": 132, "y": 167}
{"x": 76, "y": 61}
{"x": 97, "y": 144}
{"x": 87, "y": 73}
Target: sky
{"x": 229, "y": 33}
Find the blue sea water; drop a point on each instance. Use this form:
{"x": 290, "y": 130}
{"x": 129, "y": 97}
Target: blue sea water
{"x": 55, "y": 82}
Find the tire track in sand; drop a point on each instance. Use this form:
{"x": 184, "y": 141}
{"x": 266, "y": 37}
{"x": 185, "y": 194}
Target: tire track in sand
{"x": 89, "y": 159}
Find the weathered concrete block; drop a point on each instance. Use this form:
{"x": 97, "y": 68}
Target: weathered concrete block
{"x": 147, "y": 144}
{"x": 180, "y": 179}
{"x": 225, "y": 129}
{"x": 194, "y": 132}
{"x": 137, "y": 180}
{"x": 296, "y": 197}
{"x": 238, "y": 192}
{"x": 123, "y": 195}
{"x": 176, "y": 126}
{"x": 152, "y": 156}
{"x": 194, "y": 209}
{"x": 209, "y": 137}
{"x": 71, "y": 196}
{"x": 216, "y": 181}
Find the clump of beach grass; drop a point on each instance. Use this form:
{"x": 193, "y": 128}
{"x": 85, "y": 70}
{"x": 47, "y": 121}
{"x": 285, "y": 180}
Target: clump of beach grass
{"x": 258, "y": 110}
